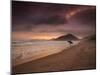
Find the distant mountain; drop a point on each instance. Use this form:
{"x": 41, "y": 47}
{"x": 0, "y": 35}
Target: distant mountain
{"x": 83, "y": 55}
{"x": 67, "y": 37}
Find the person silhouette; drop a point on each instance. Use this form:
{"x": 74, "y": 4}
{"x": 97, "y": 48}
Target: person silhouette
{"x": 70, "y": 42}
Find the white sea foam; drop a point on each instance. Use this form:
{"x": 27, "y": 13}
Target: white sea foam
{"x": 27, "y": 51}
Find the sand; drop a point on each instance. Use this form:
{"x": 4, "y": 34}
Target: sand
{"x": 78, "y": 57}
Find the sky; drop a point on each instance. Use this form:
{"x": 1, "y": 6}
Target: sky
{"x": 44, "y": 21}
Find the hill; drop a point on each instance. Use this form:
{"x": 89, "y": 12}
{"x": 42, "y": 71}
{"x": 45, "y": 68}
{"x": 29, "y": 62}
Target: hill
{"x": 78, "y": 57}
{"x": 67, "y": 37}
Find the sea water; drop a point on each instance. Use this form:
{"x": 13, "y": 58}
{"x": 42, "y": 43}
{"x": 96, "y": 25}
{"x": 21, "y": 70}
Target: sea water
{"x": 31, "y": 50}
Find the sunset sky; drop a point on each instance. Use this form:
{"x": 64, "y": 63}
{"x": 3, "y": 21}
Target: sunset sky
{"x": 32, "y": 20}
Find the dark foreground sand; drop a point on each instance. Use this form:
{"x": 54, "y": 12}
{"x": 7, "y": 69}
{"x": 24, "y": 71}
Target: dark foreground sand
{"x": 79, "y": 57}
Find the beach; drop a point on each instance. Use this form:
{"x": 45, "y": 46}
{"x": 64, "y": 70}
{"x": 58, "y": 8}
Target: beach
{"x": 78, "y": 57}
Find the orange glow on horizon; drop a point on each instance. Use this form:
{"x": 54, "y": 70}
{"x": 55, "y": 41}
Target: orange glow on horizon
{"x": 35, "y": 36}
{"x": 46, "y": 36}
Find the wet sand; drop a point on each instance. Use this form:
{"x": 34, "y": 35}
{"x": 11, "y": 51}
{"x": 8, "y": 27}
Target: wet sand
{"x": 78, "y": 57}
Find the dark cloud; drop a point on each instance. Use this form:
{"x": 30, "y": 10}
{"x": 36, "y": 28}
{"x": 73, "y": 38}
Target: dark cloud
{"x": 27, "y": 16}
{"x": 55, "y": 20}
{"x": 86, "y": 18}
{"x": 38, "y": 13}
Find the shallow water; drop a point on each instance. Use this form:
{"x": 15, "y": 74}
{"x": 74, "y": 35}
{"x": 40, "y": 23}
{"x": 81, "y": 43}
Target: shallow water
{"x": 26, "y": 51}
